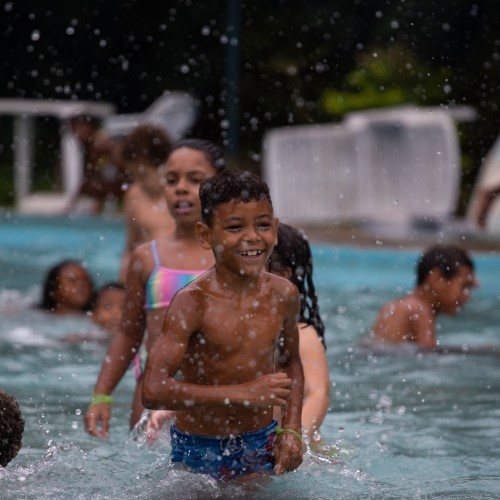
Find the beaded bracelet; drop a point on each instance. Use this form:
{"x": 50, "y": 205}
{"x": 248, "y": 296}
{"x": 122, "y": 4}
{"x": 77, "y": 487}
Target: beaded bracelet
{"x": 280, "y": 430}
{"x": 98, "y": 399}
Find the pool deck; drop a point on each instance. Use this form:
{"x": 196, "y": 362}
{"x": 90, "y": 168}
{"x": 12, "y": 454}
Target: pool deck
{"x": 399, "y": 237}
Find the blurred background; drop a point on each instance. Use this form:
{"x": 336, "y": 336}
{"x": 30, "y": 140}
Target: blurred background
{"x": 252, "y": 66}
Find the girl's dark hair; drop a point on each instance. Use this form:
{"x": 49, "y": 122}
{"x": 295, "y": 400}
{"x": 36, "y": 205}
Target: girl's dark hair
{"x": 51, "y": 283}
{"x": 111, "y": 285}
{"x": 231, "y": 185}
{"x": 212, "y": 152}
{"x": 447, "y": 258}
{"x": 294, "y": 252}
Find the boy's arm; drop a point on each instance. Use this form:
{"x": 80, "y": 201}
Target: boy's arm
{"x": 121, "y": 351}
{"x": 160, "y": 388}
{"x": 288, "y": 446}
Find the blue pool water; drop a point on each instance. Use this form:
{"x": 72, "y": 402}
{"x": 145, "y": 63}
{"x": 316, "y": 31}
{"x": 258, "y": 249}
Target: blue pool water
{"x": 407, "y": 426}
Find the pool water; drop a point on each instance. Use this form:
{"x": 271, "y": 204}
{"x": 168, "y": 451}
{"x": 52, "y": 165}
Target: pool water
{"x": 407, "y": 426}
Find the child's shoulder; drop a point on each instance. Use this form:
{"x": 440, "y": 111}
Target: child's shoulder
{"x": 280, "y": 285}
{"x": 407, "y": 303}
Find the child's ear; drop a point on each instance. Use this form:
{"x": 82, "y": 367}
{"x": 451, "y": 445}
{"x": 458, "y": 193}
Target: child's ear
{"x": 204, "y": 235}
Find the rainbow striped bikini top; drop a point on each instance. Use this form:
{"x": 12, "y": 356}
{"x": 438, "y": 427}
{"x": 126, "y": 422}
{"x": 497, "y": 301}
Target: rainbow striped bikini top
{"x": 163, "y": 283}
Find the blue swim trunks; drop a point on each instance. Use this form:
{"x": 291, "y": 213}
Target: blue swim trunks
{"x": 228, "y": 457}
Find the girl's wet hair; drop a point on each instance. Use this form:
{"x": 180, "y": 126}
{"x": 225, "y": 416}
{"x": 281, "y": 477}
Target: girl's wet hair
{"x": 293, "y": 252}
{"x": 212, "y": 152}
{"x": 228, "y": 186}
{"x": 447, "y": 258}
{"x": 51, "y": 282}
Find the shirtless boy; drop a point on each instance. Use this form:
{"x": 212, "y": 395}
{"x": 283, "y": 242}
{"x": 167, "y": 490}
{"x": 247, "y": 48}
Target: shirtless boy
{"x": 445, "y": 278}
{"x": 221, "y": 335}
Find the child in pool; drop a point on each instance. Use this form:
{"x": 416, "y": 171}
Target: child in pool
{"x": 445, "y": 278}
{"x": 292, "y": 259}
{"x": 144, "y": 151}
{"x": 103, "y": 174}
{"x": 221, "y": 334}
{"x": 67, "y": 289}
{"x": 106, "y": 311}
{"x": 11, "y": 428}
{"x": 157, "y": 270}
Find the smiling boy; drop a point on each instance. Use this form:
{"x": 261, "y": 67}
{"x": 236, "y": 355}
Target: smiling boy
{"x": 221, "y": 336}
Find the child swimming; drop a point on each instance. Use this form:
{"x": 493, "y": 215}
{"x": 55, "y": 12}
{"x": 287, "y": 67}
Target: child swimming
{"x": 445, "y": 279}
{"x": 67, "y": 289}
{"x": 220, "y": 337}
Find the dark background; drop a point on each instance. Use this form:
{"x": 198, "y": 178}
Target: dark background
{"x": 254, "y": 65}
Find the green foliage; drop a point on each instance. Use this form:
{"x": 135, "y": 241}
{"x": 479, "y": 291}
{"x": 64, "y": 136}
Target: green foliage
{"x": 387, "y": 77}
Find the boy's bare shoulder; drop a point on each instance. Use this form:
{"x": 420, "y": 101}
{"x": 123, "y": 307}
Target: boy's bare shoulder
{"x": 282, "y": 286}
{"x": 406, "y": 304}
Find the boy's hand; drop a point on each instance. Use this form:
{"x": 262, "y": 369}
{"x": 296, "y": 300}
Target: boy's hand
{"x": 156, "y": 421}
{"x": 95, "y": 415}
{"x": 288, "y": 453}
{"x": 272, "y": 389}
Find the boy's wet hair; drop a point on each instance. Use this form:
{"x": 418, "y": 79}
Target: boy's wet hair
{"x": 148, "y": 143}
{"x": 111, "y": 285}
{"x": 447, "y": 258}
{"x": 11, "y": 428}
{"x": 229, "y": 186}
{"x": 51, "y": 282}
{"x": 212, "y": 152}
{"x": 294, "y": 252}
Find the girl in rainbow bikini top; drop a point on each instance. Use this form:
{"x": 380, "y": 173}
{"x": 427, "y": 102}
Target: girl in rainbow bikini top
{"x": 157, "y": 270}
{"x": 163, "y": 283}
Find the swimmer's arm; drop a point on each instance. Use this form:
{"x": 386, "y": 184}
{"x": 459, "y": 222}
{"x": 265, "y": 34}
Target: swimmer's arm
{"x": 424, "y": 331}
{"x": 288, "y": 450}
{"x": 132, "y": 232}
{"x": 316, "y": 380}
{"x": 289, "y": 362}
{"x": 160, "y": 389}
{"x": 125, "y": 344}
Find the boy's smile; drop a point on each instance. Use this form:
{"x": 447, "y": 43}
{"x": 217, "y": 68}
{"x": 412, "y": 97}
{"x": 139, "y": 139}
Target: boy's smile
{"x": 243, "y": 235}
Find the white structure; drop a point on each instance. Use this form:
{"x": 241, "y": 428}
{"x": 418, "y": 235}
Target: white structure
{"x": 394, "y": 165}
{"x": 489, "y": 178}
{"x": 173, "y": 111}
{"x": 25, "y": 111}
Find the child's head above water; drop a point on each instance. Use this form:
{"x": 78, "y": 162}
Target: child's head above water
{"x": 228, "y": 186}
{"x": 11, "y": 428}
{"x": 449, "y": 272}
{"x": 67, "y": 288}
{"x": 107, "y": 306}
{"x": 292, "y": 259}
{"x": 448, "y": 259}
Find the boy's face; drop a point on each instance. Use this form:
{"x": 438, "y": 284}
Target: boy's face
{"x": 242, "y": 235}
{"x": 453, "y": 293}
{"x": 109, "y": 309}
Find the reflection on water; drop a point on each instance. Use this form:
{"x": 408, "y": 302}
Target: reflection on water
{"x": 403, "y": 425}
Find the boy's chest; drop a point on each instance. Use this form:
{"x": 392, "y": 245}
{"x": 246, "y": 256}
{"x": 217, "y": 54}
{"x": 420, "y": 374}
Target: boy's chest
{"x": 234, "y": 325}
